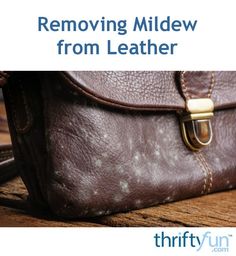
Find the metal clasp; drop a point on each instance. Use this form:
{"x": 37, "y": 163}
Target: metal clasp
{"x": 196, "y": 123}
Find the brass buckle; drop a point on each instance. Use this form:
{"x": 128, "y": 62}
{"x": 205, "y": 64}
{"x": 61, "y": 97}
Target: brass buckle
{"x": 195, "y": 123}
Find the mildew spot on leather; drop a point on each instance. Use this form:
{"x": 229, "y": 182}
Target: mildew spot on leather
{"x": 63, "y": 185}
{"x": 166, "y": 140}
{"x": 229, "y": 185}
{"x": 99, "y": 213}
{"x": 168, "y": 199}
{"x": 176, "y": 157}
{"x": 137, "y": 156}
{"x": 138, "y": 171}
{"x": 138, "y": 203}
{"x": 105, "y": 154}
{"x": 98, "y": 163}
{"x": 120, "y": 169}
{"x": 108, "y": 212}
{"x": 124, "y": 185}
{"x": 130, "y": 142}
{"x": 118, "y": 198}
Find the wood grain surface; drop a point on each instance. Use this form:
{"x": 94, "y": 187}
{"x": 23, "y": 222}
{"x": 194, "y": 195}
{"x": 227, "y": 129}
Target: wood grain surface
{"x": 214, "y": 210}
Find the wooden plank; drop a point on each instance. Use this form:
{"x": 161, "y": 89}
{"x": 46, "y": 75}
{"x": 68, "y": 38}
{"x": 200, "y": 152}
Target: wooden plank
{"x": 4, "y": 135}
{"x": 213, "y": 210}
{"x": 15, "y": 192}
{"x": 15, "y": 218}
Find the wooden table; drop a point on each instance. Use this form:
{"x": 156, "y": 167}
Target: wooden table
{"x": 213, "y": 210}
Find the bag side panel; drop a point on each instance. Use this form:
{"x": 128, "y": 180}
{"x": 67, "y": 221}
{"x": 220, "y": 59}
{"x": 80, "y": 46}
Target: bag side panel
{"x": 103, "y": 160}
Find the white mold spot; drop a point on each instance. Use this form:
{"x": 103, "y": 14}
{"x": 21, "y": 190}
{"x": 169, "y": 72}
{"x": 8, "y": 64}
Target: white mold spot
{"x": 168, "y": 199}
{"x": 98, "y": 163}
{"x": 107, "y": 212}
{"x": 176, "y": 157}
{"x": 57, "y": 173}
{"x": 137, "y": 156}
{"x": 100, "y": 213}
{"x": 105, "y": 154}
{"x": 105, "y": 136}
{"x": 124, "y": 186}
{"x": 120, "y": 169}
{"x": 118, "y": 198}
{"x": 157, "y": 153}
{"x": 130, "y": 143}
{"x": 138, "y": 171}
{"x": 95, "y": 192}
{"x": 161, "y": 131}
{"x": 138, "y": 203}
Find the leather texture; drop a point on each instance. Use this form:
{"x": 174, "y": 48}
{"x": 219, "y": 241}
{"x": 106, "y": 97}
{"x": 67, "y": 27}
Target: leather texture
{"x": 198, "y": 84}
{"x": 94, "y": 143}
{"x": 154, "y": 90}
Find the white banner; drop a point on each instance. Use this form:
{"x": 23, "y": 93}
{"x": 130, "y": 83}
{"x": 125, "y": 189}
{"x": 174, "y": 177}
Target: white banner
{"x": 118, "y": 241}
{"x": 117, "y": 35}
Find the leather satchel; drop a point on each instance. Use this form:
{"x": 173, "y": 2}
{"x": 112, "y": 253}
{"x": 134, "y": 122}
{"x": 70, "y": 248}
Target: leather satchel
{"x": 95, "y": 143}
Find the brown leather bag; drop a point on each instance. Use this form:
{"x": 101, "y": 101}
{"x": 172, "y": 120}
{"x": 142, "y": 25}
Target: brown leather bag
{"x": 95, "y": 143}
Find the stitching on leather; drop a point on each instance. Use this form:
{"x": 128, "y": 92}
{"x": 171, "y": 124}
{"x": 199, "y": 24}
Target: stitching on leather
{"x": 209, "y": 173}
{"x": 211, "y": 85}
{"x": 27, "y": 112}
{"x": 204, "y": 189}
{"x": 184, "y": 86}
{"x": 208, "y": 177}
{"x": 115, "y": 103}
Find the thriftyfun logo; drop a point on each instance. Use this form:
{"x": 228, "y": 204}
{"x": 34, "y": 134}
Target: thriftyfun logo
{"x": 216, "y": 243}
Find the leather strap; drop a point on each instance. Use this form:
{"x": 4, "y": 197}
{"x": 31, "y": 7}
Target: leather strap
{"x": 197, "y": 84}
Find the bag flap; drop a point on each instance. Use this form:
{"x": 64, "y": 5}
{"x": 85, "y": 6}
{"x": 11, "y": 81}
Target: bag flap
{"x": 147, "y": 90}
